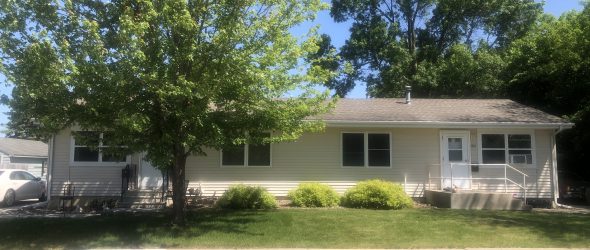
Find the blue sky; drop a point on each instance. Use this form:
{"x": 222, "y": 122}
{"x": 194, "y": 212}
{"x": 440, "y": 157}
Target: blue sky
{"x": 337, "y": 31}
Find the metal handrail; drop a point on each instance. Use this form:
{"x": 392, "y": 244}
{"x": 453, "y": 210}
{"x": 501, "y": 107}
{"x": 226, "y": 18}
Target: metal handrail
{"x": 506, "y": 179}
{"x": 507, "y": 165}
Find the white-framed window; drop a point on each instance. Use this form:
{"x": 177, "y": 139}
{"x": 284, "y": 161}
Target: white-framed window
{"x": 91, "y": 151}
{"x": 511, "y": 148}
{"x": 366, "y": 149}
{"x": 248, "y": 155}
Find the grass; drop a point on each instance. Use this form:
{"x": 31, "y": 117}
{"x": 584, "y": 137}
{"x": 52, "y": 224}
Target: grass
{"x": 321, "y": 228}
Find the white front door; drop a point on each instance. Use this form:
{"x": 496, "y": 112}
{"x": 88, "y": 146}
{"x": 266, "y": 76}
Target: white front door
{"x": 455, "y": 159}
{"x": 149, "y": 176}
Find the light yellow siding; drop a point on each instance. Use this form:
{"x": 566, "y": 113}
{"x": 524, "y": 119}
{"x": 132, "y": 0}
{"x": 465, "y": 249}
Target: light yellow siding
{"x": 87, "y": 180}
{"x": 313, "y": 157}
{"x": 317, "y": 157}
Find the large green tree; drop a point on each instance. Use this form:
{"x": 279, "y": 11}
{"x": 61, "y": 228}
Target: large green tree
{"x": 394, "y": 43}
{"x": 169, "y": 77}
{"x": 550, "y": 68}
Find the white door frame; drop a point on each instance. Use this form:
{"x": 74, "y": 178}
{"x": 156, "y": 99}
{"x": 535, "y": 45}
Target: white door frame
{"x": 466, "y": 151}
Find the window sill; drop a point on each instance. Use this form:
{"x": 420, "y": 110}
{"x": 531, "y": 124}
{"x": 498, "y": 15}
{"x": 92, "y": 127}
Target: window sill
{"x": 98, "y": 164}
{"x": 371, "y": 167}
{"x": 240, "y": 166}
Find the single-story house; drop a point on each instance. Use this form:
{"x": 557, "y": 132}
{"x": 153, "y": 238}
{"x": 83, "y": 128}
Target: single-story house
{"x": 493, "y": 145}
{"x": 23, "y": 154}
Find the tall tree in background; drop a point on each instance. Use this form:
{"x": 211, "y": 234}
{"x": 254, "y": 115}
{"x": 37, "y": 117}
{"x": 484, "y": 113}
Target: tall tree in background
{"x": 549, "y": 68}
{"x": 394, "y": 43}
{"x": 169, "y": 77}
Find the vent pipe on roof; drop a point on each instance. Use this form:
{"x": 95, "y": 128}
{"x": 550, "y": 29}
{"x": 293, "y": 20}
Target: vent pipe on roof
{"x": 408, "y": 94}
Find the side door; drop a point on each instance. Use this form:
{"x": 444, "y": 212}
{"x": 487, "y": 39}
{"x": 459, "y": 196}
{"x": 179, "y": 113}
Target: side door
{"x": 455, "y": 159}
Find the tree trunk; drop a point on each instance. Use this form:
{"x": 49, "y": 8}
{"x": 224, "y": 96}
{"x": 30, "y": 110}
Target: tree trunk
{"x": 178, "y": 188}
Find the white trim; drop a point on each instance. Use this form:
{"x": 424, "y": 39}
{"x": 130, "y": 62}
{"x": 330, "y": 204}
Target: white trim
{"x": 507, "y": 132}
{"x": 438, "y": 124}
{"x": 366, "y": 149}
{"x": 246, "y": 150}
{"x": 50, "y": 160}
{"x": 29, "y": 156}
{"x": 98, "y": 163}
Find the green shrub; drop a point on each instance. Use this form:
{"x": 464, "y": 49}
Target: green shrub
{"x": 247, "y": 197}
{"x": 376, "y": 194}
{"x": 314, "y": 195}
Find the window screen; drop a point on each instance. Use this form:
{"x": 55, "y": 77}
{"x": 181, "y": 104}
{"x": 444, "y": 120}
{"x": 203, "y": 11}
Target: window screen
{"x": 378, "y": 148}
{"x": 233, "y": 156}
{"x": 493, "y": 149}
{"x": 496, "y": 147}
{"x": 520, "y": 149}
{"x": 247, "y": 155}
{"x": 86, "y": 145}
{"x": 259, "y": 155}
{"x": 353, "y": 149}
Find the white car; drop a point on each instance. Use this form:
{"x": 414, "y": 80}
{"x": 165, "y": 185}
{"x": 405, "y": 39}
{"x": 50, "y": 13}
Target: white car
{"x": 16, "y": 185}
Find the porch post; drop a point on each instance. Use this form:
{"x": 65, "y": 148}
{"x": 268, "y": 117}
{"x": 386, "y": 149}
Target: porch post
{"x": 505, "y": 180}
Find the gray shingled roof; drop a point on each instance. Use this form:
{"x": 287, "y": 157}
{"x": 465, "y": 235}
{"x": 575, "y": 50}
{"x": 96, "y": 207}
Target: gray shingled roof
{"x": 20, "y": 147}
{"x": 422, "y": 111}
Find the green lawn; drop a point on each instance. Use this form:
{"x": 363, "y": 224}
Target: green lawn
{"x": 323, "y": 228}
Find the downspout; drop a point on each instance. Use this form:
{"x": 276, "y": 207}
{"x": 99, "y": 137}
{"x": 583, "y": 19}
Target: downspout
{"x": 555, "y": 180}
{"x": 50, "y": 167}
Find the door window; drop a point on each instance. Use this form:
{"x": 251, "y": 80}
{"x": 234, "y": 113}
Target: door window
{"x": 455, "y": 146}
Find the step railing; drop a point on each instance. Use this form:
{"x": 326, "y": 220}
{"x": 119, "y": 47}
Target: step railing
{"x": 506, "y": 179}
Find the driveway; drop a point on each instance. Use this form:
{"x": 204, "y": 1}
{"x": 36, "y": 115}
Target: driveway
{"x": 24, "y": 208}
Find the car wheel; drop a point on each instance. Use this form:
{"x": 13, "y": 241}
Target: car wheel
{"x": 9, "y": 198}
{"x": 43, "y": 197}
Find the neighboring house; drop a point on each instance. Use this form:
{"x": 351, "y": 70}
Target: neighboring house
{"x": 415, "y": 144}
{"x": 24, "y": 154}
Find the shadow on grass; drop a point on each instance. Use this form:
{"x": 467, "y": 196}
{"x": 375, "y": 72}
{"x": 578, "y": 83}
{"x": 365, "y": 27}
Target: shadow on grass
{"x": 120, "y": 230}
{"x": 301, "y": 228}
{"x": 561, "y": 228}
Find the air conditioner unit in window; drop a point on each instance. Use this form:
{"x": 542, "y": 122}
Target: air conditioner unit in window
{"x": 520, "y": 158}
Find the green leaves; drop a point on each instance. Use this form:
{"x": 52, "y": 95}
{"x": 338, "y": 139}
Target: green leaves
{"x": 162, "y": 75}
{"x": 398, "y": 43}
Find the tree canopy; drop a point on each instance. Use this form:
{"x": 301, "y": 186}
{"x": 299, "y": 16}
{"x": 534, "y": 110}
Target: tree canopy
{"x": 169, "y": 77}
{"x": 394, "y": 43}
{"x": 549, "y": 68}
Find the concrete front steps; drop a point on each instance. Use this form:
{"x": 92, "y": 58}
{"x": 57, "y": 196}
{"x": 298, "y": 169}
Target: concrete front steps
{"x": 474, "y": 200}
{"x": 142, "y": 199}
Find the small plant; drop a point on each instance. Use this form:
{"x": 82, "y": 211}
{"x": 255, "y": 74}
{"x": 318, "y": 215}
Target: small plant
{"x": 247, "y": 197}
{"x": 376, "y": 194}
{"x": 314, "y": 195}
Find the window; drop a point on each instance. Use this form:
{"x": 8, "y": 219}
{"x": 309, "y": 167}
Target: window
{"x": 520, "y": 150}
{"x": 366, "y": 149}
{"x": 82, "y": 150}
{"x": 21, "y": 176}
{"x": 455, "y": 147}
{"x": 506, "y": 148}
{"x": 95, "y": 147}
{"x": 252, "y": 154}
{"x": 353, "y": 149}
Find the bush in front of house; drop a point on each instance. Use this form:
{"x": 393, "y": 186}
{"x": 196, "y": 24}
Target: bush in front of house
{"x": 314, "y": 195}
{"x": 247, "y": 197}
{"x": 376, "y": 194}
